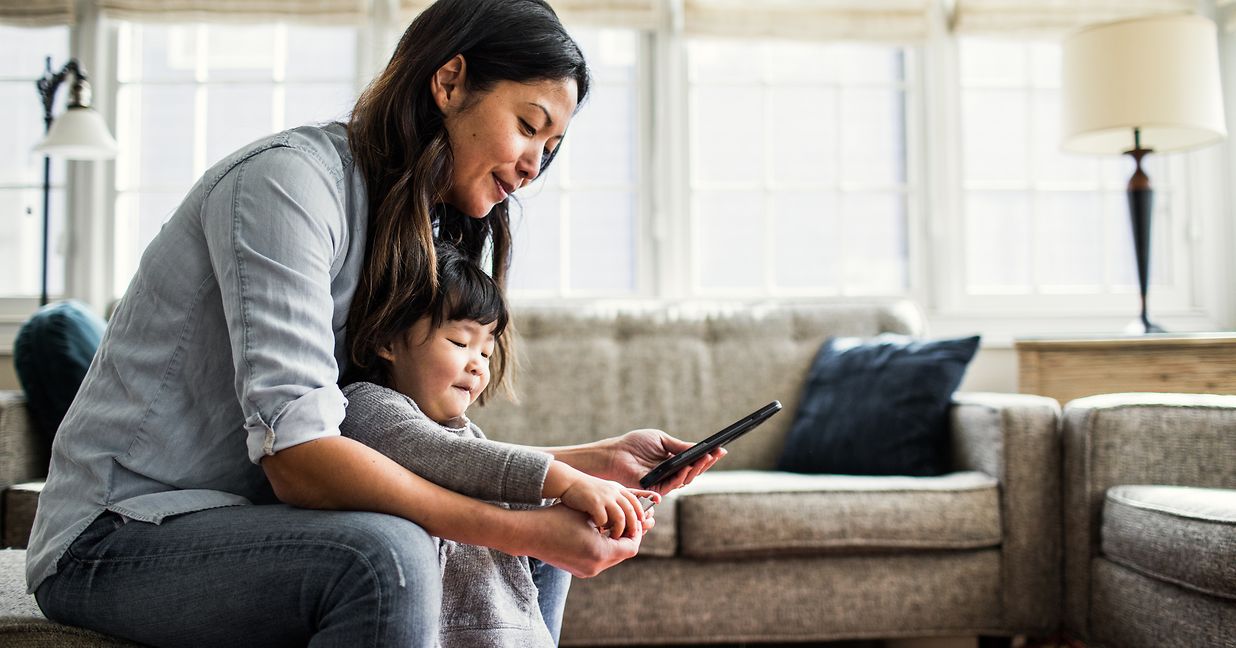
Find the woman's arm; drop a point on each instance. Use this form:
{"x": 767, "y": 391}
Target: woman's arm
{"x": 627, "y": 458}
{"x": 343, "y": 474}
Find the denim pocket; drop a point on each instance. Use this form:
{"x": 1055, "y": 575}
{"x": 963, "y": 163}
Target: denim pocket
{"x": 100, "y": 528}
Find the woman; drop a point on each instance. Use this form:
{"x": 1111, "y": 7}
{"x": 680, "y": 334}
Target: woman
{"x": 200, "y": 491}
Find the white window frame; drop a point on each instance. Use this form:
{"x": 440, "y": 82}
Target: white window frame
{"x": 767, "y": 188}
{"x": 1199, "y": 241}
{"x": 87, "y": 233}
{"x": 644, "y": 237}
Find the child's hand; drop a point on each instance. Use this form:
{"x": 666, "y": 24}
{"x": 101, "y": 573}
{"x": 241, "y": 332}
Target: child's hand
{"x": 614, "y": 509}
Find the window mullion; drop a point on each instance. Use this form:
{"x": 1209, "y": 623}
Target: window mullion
{"x": 675, "y": 214}
{"x": 279, "y": 76}
{"x": 87, "y": 230}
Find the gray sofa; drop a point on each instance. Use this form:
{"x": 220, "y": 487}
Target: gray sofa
{"x": 1150, "y": 520}
{"x": 748, "y": 554}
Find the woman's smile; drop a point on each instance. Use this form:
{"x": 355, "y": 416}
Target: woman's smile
{"x": 504, "y": 189}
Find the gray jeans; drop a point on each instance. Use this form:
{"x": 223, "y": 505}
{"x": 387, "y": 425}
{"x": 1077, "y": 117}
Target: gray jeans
{"x": 262, "y": 576}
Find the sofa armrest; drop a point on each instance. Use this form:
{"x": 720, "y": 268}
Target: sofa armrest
{"x": 1114, "y": 439}
{"x": 23, "y": 454}
{"x": 1015, "y": 438}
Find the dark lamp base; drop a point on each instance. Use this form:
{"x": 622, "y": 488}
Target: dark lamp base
{"x": 1141, "y": 327}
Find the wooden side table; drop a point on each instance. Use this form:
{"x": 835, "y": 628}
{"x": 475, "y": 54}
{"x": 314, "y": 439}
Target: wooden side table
{"x": 1068, "y": 368}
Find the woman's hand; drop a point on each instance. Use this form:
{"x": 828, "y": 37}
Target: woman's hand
{"x": 633, "y": 454}
{"x": 562, "y": 537}
{"x": 614, "y": 509}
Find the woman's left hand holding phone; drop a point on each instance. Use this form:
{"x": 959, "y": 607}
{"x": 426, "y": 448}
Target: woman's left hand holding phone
{"x": 627, "y": 458}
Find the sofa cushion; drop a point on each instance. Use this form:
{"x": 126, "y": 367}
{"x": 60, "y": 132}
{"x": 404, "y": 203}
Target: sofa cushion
{"x": 15, "y": 603}
{"x": 687, "y": 368}
{"x": 764, "y": 513}
{"x": 20, "y": 503}
{"x": 23, "y": 453}
{"x": 877, "y": 407}
{"x": 51, "y": 354}
{"x": 662, "y": 541}
{"x": 1177, "y": 534}
{"x": 23, "y": 624}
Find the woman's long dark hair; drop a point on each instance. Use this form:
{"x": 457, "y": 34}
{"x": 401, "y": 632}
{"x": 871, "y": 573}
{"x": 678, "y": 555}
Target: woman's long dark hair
{"x": 399, "y": 140}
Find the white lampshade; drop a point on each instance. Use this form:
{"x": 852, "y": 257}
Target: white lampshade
{"x": 1158, "y": 74}
{"x": 78, "y": 134}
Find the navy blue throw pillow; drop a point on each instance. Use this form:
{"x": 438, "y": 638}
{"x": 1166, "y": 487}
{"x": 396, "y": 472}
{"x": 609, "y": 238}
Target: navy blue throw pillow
{"x": 51, "y": 354}
{"x": 878, "y": 407}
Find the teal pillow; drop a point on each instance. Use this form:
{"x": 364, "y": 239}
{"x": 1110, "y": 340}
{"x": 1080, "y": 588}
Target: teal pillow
{"x": 878, "y": 407}
{"x": 51, "y": 354}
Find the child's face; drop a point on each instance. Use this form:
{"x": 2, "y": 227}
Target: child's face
{"x": 444, "y": 369}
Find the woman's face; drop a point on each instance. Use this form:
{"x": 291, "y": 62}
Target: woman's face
{"x": 500, "y": 137}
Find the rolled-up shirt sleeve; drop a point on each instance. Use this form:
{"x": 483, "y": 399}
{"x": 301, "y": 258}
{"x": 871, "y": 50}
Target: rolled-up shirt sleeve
{"x": 275, "y": 225}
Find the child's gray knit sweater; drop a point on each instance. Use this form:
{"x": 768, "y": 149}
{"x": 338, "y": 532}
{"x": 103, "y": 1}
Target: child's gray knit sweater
{"x": 488, "y": 598}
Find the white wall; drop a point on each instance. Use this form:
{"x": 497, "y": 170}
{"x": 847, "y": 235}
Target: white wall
{"x": 994, "y": 369}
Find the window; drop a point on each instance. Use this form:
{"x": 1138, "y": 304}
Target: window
{"x": 799, "y": 177}
{"x": 577, "y": 229}
{"x": 22, "y": 62}
{"x": 188, "y": 95}
{"x": 700, "y": 167}
{"x": 1039, "y": 222}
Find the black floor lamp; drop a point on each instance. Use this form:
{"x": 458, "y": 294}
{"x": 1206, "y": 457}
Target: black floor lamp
{"x": 78, "y": 134}
{"x": 1136, "y": 86}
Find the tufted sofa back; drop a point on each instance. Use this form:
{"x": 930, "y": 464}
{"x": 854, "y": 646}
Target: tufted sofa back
{"x": 587, "y": 374}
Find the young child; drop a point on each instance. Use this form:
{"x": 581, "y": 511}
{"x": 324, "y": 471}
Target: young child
{"x": 410, "y": 404}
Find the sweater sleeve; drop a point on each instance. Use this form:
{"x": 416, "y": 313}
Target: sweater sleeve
{"x": 390, "y": 423}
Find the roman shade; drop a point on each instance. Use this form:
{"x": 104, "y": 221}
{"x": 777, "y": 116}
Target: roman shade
{"x": 865, "y": 20}
{"x": 637, "y": 14}
{"x": 36, "y": 13}
{"x": 305, "y": 11}
{"x": 1052, "y": 17}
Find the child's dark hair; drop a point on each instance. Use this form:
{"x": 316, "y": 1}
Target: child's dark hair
{"x": 464, "y": 292}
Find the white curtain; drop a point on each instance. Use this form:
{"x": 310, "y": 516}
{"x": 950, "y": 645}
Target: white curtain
{"x": 1053, "y": 17}
{"x": 36, "y": 13}
{"x": 306, "y": 11}
{"x": 868, "y": 20}
{"x": 637, "y": 14}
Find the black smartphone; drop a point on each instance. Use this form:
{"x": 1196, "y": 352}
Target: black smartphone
{"x": 670, "y": 466}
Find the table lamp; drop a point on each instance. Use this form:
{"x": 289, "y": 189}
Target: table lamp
{"x": 78, "y": 134}
{"x": 1136, "y": 86}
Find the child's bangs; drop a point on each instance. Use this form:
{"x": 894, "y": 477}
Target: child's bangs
{"x": 473, "y": 295}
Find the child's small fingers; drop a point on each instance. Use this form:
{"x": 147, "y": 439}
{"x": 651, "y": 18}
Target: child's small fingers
{"x": 634, "y": 512}
{"x": 650, "y": 494}
{"x": 631, "y": 498}
{"x": 617, "y": 519}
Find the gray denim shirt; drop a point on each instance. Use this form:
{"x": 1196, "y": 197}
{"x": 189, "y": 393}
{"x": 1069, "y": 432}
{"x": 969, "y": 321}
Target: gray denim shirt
{"x": 225, "y": 348}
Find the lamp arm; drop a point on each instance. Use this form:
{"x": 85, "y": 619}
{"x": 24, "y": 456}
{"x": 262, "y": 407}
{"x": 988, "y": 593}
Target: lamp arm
{"x": 48, "y": 84}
